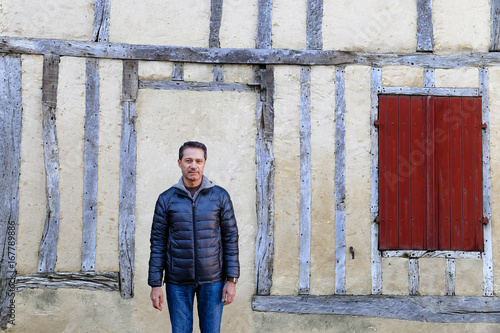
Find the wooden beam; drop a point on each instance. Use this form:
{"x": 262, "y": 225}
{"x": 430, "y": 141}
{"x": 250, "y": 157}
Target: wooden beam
{"x": 101, "y": 21}
{"x": 305, "y": 181}
{"x": 128, "y": 163}
{"x": 10, "y": 162}
{"x": 339, "y": 191}
{"x": 450, "y": 277}
{"x": 488, "y": 274}
{"x": 432, "y": 254}
{"x": 80, "y": 280}
{"x": 47, "y": 254}
{"x": 215, "y": 22}
{"x": 376, "y": 259}
{"x": 264, "y": 24}
{"x": 90, "y": 158}
{"x": 264, "y": 243}
{"x": 495, "y": 25}
{"x": 429, "y": 77}
{"x": 218, "y": 73}
{"x": 314, "y": 24}
{"x": 413, "y": 276}
{"x": 425, "y": 33}
{"x": 429, "y": 91}
{"x": 241, "y": 56}
{"x": 440, "y": 309}
{"x": 178, "y": 72}
{"x": 194, "y": 86}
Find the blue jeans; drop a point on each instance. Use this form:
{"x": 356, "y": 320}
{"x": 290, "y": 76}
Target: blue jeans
{"x": 180, "y": 300}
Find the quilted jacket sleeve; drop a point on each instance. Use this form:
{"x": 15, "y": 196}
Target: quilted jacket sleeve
{"x": 229, "y": 231}
{"x": 158, "y": 240}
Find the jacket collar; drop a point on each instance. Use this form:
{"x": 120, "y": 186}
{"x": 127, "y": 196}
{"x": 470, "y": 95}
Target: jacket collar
{"x": 205, "y": 183}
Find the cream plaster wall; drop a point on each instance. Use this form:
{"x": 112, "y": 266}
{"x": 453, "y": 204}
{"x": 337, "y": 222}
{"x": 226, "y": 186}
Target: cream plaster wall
{"x": 286, "y": 147}
{"x": 32, "y": 202}
{"x": 289, "y": 24}
{"x": 461, "y": 26}
{"x": 402, "y": 76}
{"x": 157, "y": 22}
{"x": 370, "y": 26}
{"x": 358, "y": 179}
{"x": 47, "y": 19}
{"x": 239, "y": 24}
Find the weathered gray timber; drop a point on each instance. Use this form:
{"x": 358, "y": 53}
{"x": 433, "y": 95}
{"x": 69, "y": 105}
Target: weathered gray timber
{"x": 80, "y": 280}
{"x": 429, "y": 91}
{"x": 195, "y": 86}
{"x": 215, "y": 22}
{"x": 488, "y": 284}
{"x": 264, "y": 243}
{"x": 441, "y": 309}
{"x": 10, "y": 161}
{"x": 90, "y": 158}
{"x": 450, "y": 277}
{"x": 178, "y": 72}
{"x": 339, "y": 191}
{"x": 47, "y": 255}
{"x": 128, "y": 163}
{"x": 314, "y": 24}
{"x": 218, "y": 73}
{"x": 101, "y": 21}
{"x": 425, "y": 33}
{"x": 241, "y": 56}
{"x": 413, "y": 277}
{"x": 376, "y": 259}
{"x": 305, "y": 181}
{"x": 264, "y": 24}
{"x": 495, "y": 25}
{"x": 432, "y": 254}
{"x": 429, "y": 77}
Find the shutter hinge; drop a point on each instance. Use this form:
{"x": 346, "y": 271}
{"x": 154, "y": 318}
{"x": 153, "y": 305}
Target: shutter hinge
{"x": 377, "y": 219}
{"x": 486, "y": 220}
{"x": 377, "y": 123}
{"x": 484, "y": 126}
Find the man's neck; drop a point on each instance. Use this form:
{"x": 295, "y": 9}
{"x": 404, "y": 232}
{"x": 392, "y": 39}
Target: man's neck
{"x": 188, "y": 183}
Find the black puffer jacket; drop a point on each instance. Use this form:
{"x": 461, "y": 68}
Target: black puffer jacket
{"x": 194, "y": 240}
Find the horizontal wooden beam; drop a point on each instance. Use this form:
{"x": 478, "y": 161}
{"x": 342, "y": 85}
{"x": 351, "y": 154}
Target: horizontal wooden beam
{"x": 429, "y": 91}
{"x": 432, "y": 254}
{"x": 440, "y": 309}
{"x": 195, "y": 86}
{"x": 241, "y": 56}
{"x": 79, "y": 280}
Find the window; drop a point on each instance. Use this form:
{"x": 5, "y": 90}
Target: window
{"x": 430, "y": 173}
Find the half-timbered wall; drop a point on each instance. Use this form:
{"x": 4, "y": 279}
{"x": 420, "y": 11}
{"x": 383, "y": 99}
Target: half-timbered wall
{"x": 285, "y": 95}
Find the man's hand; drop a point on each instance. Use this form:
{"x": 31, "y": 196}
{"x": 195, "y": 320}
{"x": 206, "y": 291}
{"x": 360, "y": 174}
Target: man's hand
{"x": 228, "y": 292}
{"x": 157, "y": 297}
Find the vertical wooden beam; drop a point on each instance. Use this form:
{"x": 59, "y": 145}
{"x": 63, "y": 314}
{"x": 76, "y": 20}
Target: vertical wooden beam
{"x": 305, "y": 181}
{"x": 425, "y": 34}
{"x": 101, "y": 21}
{"x": 376, "y": 258}
{"x": 264, "y": 244}
{"x": 215, "y": 23}
{"x": 10, "y": 162}
{"x": 47, "y": 254}
{"x": 413, "y": 276}
{"x": 429, "y": 77}
{"x": 178, "y": 72}
{"x": 488, "y": 246}
{"x": 264, "y": 24}
{"x": 218, "y": 73}
{"x": 128, "y": 163}
{"x": 90, "y": 158}
{"x": 495, "y": 25}
{"x": 314, "y": 24}
{"x": 450, "y": 277}
{"x": 339, "y": 192}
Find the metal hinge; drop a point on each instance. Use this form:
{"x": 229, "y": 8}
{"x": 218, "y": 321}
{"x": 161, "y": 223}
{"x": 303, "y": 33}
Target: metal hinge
{"x": 486, "y": 220}
{"x": 377, "y": 123}
{"x": 484, "y": 126}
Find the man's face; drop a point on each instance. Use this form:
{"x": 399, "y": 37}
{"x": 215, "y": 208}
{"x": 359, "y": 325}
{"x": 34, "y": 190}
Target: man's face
{"x": 192, "y": 165}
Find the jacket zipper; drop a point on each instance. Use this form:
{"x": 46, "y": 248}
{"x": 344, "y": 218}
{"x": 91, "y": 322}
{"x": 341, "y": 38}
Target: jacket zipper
{"x": 194, "y": 247}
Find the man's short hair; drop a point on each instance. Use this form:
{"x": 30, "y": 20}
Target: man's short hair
{"x": 192, "y": 144}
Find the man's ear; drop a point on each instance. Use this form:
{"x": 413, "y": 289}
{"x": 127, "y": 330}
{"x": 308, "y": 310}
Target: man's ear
{"x": 179, "y": 162}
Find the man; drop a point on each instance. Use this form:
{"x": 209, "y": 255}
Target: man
{"x": 194, "y": 239}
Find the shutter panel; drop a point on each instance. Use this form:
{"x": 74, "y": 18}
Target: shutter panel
{"x": 430, "y": 173}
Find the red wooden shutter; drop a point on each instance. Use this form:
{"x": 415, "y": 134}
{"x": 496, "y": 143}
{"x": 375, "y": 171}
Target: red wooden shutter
{"x": 430, "y": 173}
